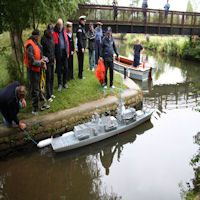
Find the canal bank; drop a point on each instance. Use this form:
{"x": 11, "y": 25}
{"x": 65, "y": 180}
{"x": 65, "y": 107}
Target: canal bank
{"x": 63, "y": 121}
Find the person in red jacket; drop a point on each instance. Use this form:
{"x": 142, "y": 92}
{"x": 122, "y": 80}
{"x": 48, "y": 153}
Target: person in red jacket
{"x": 61, "y": 53}
{"x": 34, "y": 61}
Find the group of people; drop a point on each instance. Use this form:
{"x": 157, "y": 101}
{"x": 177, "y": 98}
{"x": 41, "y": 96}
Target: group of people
{"x": 145, "y": 6}
{"x": 56, "y": 47}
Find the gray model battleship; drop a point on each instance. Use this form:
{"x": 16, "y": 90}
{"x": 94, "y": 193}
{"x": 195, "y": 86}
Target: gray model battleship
{"x": 99, "y": 128}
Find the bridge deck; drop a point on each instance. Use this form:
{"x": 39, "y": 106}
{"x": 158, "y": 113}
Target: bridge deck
{"x": 131, "y": 20}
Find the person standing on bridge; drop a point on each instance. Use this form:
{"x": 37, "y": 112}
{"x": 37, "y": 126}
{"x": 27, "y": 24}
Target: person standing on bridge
{"x": 144, "y": 6}
{"x": 99, "y": 36}
{"x": 138, "y": 49}
{"x": 81, "y": 45}
{"x": 108, "y": 47}
{"x": 115, "y": 3}
{"x": 166, "y": 7}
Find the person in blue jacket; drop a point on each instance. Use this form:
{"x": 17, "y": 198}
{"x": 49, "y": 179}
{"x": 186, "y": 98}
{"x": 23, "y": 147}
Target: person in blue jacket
{"x": 166, "y": 7}
{"x": 12, "y": 98}
{"x": 108, "y": 47}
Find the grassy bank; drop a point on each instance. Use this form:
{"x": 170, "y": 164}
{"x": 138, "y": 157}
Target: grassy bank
{"x": 183, "y": 47}
{"x": 80, "y": 91}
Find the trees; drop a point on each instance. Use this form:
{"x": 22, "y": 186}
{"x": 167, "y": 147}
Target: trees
{"x": 16, "y": 16}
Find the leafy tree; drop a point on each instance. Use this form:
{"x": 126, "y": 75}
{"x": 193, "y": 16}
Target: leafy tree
{"x": 189, "y": 7}
{"x": 16, "y": 16}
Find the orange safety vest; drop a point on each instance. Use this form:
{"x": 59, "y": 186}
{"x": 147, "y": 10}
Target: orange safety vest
{"x": 36, "y": 52}
{"x": 56, "y": 37}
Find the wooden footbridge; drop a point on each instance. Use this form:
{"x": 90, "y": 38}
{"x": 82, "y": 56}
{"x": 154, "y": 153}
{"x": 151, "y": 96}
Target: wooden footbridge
{"x": 139, "y": 20}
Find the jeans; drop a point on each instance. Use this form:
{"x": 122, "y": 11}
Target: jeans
{"x": 80, "y": 63}
{"x": 92, "y": 58}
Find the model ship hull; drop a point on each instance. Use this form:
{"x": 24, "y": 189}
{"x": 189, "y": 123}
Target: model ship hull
{"x": 125, "y": 65}
{"x": 68, "y": 141}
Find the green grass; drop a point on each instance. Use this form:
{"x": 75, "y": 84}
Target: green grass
{"x": 81, "y": 91}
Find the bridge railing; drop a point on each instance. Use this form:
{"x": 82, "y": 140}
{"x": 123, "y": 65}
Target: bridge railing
{"x": 129, "y": 15}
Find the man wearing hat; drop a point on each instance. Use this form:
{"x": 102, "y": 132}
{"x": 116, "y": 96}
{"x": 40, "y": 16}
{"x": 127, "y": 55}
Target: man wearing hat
{"x": 34, "y": 60}
{"x": 49, "y": 52}
{"x": 91, "y": 46}
{"x": 81, "y": 45}
{"x": 99, "y": 36}
{"x": 71, "y": 50}
{"x": 61, "y": 53}
{"x": 108, "y": 47}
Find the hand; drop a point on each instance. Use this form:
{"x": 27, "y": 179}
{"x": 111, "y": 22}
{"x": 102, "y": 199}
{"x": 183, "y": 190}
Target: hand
{"x": 83, "y": 50}
{"x": 77, "y": 50}
{"x": 45, "y": 66}
{"x": 72, "y": 53}
{"x": 23, "y": 103}
{"x": 67, "y": 55}
{"x": 118, "y": 55}
{"x": 101, "y": 59}
{"x": 22, "y": 126}
{"x": 54, "y": 61}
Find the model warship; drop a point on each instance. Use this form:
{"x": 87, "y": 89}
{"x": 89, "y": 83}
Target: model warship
{"x": 99, "y": 128}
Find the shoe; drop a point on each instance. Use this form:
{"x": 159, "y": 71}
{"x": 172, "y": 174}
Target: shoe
{"x": 50, "y": 100}
{"x": 83, "y": 77}
{"x": 45, "y": 106}
{"x": 66, "y": 86}
{"x": 35, "y": 112}
{"x": 59, "y": 88}
{"x": 88, "y": 69}
{"x": 105, "y": 87}
{"x": 113, "y": 87}
{"x": 53, "y": 97}
{"x": 93, "y": 69}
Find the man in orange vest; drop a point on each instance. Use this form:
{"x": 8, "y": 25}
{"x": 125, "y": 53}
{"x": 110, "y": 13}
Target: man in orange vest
{"x": 61, "y": 53}
{"x": 34, "y": 62}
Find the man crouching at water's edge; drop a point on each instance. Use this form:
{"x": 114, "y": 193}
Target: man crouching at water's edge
{"x": 12, "y": 98}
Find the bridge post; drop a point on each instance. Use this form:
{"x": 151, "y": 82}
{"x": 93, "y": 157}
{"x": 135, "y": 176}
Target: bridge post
{"x": 172, "y": 15}
{"x": 182, "y": 30}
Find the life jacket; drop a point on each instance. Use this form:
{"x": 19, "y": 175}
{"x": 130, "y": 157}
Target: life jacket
{"x": 100, "y": 72}
{"x": 56, "y": 38}
{"x": 36, "y": 52}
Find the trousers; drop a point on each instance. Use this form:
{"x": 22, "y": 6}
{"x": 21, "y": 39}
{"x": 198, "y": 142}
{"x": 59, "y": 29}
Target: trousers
{"x": 109, "y": 65}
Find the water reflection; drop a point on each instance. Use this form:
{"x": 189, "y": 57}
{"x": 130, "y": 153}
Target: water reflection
{"x": 74, "y": 175}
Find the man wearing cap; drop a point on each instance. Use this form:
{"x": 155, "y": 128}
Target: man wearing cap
{"x": 81, "y": 45}
{"x": 91, "y": 46}
{"x": 71, "y": 50}
{"x": 49, "y": 51}
{"x": 99, "y": 36}
{"x": 61, "y": 53}
{"x": 108, "y": 47}
{"x": 34, "y": 61}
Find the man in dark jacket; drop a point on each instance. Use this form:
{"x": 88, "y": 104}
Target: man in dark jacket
{"x": 91, "y": 46}
{"x": 49, "y": 52}
{"x": 71, "y": 50}
{"x": 81, "y": 44}
{"x": 61, "y": 53}
{"x": 12, "y": 98}
{"x": 35, "y": 61}
{"x": 108, "y": 47}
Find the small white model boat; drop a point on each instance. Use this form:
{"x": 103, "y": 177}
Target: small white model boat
{"x": 125, "y": 65}
{"x": 99, "y": 128}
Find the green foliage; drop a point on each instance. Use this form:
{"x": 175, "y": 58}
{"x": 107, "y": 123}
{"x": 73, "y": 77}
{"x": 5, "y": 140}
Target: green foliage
{"x": 189, "y": 7}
